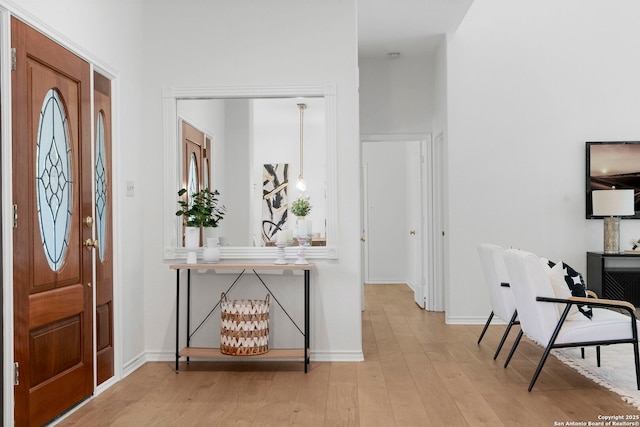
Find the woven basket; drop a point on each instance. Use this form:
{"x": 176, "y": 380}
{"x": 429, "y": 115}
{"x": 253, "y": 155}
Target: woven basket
{"x": 244, "y": 326}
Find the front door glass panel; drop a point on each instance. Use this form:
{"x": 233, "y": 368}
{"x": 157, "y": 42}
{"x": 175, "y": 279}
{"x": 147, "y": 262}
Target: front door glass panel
{"x": 54, "y": 179}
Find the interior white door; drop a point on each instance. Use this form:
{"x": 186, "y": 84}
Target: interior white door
{"x": 385, "y": 212}
{"x": 414, "y": 233}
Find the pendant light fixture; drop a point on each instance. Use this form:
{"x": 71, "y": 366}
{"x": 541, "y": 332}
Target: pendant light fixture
{"x": 301, "y": 185}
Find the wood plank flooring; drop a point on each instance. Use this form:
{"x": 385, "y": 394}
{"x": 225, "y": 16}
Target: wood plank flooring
{"x": 417, "y": 372}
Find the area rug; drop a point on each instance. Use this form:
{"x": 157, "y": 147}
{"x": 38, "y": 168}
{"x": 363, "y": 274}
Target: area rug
{"x": 616, "y": 371}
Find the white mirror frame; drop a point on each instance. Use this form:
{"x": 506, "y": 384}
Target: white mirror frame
{"x": 172, "y": 225}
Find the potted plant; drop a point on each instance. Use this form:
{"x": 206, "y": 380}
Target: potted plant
{"x": 301, "y": 207}
{"x": 200, "y": 210}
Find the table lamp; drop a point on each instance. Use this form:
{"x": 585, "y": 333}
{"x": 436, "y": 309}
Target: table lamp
{"x": 612, "y": 204}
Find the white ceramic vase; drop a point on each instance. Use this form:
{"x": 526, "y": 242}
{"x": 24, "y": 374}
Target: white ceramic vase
{"x": 211, "y": 252}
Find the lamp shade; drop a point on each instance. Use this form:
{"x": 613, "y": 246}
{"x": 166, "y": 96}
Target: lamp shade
{"x": 613, "y": 202}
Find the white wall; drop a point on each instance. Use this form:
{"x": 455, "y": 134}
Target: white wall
{"x": 396, "y": 95}
{"x": 282, "y": 42}
{"x": 236, "y": 229}
{"x": 528, "y": 83}
{"x": 440, "y": 88}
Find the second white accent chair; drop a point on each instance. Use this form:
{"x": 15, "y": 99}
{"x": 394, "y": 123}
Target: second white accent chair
{"x": 497, "y": 280}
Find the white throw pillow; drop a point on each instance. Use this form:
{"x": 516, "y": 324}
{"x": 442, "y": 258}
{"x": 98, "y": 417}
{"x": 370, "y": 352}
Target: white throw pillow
{"x": 560, "y": 289}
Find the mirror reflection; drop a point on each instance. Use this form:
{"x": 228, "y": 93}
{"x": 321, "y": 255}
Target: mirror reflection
{"x": 251, "y": 155}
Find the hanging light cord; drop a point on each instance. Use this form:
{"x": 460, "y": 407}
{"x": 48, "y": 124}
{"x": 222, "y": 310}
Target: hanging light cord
{"x": 300, "y": 177}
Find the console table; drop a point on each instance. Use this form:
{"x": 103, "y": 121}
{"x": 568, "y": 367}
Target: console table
{"x": 214, "y": 353}
{"x": 614, "y": 276}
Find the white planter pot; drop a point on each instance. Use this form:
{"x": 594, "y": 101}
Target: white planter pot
{"x": 191, "y": 237}
{"x": 212, "y": 252}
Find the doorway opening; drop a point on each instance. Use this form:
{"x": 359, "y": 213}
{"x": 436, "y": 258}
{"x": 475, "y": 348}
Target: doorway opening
{"x": 402, "y": 219}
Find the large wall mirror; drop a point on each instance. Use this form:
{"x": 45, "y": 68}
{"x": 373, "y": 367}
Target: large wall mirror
{"x": 253, "y": 134}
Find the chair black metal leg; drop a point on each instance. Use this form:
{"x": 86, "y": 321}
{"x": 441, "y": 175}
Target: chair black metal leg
{"x": 486, "y": 325}
{"x": 506, "y": 332}
{"x": 637, "y": 360}
{"x": 513, "y": 349}
{"x": 549, "y": 346}
{"x": 540, "y": 365}
{"x": 598, "y": 355}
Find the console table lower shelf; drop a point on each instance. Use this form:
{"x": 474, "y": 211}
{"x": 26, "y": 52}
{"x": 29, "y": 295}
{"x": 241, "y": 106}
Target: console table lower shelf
{"x": 294, "y": 354}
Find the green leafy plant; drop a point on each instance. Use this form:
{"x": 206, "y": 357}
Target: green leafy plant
{"x": 201, "y": 209}
{"x": 301, "y": 206}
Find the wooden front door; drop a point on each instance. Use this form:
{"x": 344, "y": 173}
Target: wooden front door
{"x": 52, "y": 240}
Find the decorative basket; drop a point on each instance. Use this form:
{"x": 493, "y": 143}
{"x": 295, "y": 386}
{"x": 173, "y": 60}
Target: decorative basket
{"x": 244, "y": 326}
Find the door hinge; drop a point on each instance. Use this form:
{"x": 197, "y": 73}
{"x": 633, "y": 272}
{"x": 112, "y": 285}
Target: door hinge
{"x": 16, "y": 373}
{"x": 14, "y": 60}
{"x": 15, "y": 216}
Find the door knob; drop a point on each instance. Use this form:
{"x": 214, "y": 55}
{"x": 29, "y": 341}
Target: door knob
{"x": 412, "y": 232}
{"x": 89, "y": 244}
{"x": 362, "y": 239}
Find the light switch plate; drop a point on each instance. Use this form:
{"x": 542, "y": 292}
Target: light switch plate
{"x": 131, "y": 188}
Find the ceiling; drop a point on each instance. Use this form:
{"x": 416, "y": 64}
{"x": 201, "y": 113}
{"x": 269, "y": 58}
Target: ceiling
{"x": 408, "y": 27}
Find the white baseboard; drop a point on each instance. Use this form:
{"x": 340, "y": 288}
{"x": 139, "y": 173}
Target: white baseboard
{"x": 134, "y": 364}
{"x": 337, "y": 356}
{"x": 105, "y": 385}
{"x": 316, "y": 356}
{"x": 386, "y": 282}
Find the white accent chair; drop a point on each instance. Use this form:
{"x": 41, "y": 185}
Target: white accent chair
{"x": 496, "y": 278}
{"x": 541, "y": 322}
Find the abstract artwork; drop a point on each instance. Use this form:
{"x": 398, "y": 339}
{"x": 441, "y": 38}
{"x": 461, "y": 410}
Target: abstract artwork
{"x": 275, "y": 180}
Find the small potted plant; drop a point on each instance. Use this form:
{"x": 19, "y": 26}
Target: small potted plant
{"x": 301, "y": 207}
{"x": 200, "y": 210}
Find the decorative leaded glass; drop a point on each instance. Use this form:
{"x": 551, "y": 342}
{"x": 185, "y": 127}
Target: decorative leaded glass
{"x": 206, "y": 173}
{"x": 193, "y": 178}
{"x": 53, "y": 179}
{"x": 101, "y": 187}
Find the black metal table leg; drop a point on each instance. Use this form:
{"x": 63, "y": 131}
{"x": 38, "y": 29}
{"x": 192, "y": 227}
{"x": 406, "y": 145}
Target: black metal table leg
{"x": 188, "y": 309}
{"x": 307, "y": 356}
{"x": 177, "y": 317}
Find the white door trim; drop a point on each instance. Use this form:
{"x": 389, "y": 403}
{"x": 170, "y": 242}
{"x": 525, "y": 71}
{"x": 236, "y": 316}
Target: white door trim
{"x": 433, "y": 168}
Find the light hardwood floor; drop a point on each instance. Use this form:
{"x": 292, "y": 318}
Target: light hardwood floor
{"x": 417, "y": 372}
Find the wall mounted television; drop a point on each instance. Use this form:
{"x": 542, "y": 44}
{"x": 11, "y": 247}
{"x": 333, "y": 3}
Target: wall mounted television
{"x": 610, "y": 164}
